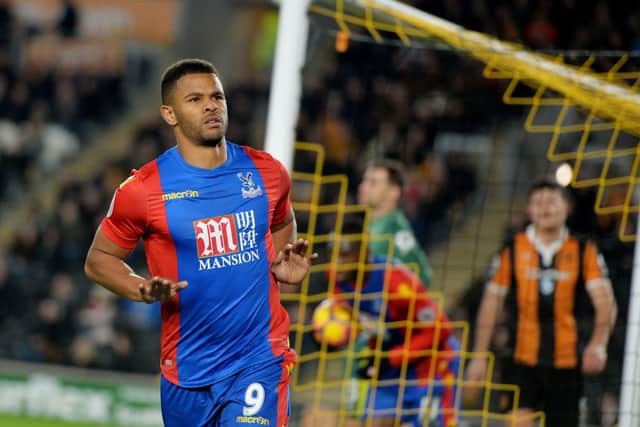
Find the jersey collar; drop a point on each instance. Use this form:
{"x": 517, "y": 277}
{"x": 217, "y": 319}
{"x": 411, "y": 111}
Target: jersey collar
{"x": 546, "y": 251}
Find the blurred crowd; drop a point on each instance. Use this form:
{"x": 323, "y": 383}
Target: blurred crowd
{"x": 50, "y": 312}
{"x": 546, "y": 24}
{"x": 52, "y": 102}
{"x": 367, "y": 102}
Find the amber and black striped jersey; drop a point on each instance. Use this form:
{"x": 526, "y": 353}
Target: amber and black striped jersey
{"x": 545, "y": 282}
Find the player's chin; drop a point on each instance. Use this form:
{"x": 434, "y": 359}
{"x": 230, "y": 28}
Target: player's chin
{"x": 550, "y": 223}
{"x": 212, "y": 139}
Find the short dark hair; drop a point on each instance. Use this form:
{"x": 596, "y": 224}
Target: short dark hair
{"x": 174, "y": 72}
{"x": 395, "y": 170}
{"x": 547, "y": 184}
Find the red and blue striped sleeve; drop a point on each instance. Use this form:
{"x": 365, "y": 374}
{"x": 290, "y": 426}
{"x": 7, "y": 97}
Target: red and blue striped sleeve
{"x": 126, "y": 219}
{"x": 283, "y": 204}
{"x": 277, "y": 182}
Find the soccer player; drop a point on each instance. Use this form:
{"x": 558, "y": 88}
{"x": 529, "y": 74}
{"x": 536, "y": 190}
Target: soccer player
{"x": 381, "y": 190}
{"x": 544, "y": 269}
{"x": 416, "y": 328}
{"x": 219, "y": 238}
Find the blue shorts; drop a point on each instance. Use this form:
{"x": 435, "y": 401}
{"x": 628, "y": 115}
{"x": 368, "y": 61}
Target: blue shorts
{"x": 258, "y": 395}
{"x": 437, "y": 401}
{"x": 393, "y": 400}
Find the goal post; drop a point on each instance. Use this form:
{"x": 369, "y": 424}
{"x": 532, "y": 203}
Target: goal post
{"x": 286, "y": 79}
{"x": 630, "y": 398}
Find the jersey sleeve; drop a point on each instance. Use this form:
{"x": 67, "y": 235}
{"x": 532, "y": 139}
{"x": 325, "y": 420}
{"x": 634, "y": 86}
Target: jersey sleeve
{"x": 500, "y": 274}
{"x": 283, "y": 205}
{"x": 594, "y": 269}
{"x": 406, "y": 247}
{"x": 416, "y": 257}
{"x": 430, "y": 323}
{"x": 126, "y": 219}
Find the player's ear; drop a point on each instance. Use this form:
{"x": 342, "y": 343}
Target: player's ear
{"x": 530, "y": 211}
{"x": 396, "y": 193}
{"x": 569, "y": 204}
{"x": 168, "y": 115}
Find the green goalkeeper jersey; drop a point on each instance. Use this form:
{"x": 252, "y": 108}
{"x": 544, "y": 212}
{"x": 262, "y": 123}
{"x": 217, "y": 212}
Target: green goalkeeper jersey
{"x": 406, "y": 248}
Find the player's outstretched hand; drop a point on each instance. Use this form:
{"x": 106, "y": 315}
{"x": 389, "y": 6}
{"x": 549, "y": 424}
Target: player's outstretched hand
{"x": 291, "y": 265}
{"x": 160, "y": 289}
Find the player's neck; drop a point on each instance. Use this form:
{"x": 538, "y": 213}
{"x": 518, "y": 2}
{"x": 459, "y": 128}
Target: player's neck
{"x": 381, "y": 211}
{"x": 203, "y": 156}
{"x": 546, "y": 236}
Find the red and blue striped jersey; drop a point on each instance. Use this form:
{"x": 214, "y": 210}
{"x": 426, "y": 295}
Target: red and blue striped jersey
{"x": 415, "y": 325}
{"x": 210, "y": 227}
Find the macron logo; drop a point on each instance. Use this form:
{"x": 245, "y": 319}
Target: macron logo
{"x": 186, "y": 194}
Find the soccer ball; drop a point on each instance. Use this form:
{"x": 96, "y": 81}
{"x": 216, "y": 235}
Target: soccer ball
{"x": 332, "y": 323}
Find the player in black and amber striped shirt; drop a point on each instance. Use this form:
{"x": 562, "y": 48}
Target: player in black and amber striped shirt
{"x": 543, "y": 270}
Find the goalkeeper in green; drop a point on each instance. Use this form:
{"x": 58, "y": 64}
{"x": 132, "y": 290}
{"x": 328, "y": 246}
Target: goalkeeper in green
{"x": 381, "y": 190}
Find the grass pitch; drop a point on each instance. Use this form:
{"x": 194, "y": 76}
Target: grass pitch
{"x": 11, "y": 421}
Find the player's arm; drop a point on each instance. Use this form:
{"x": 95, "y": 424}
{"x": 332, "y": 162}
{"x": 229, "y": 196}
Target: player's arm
{"x": 281, "y": 234}
{"x": 605, "y": 308}
{"x": 284, "y": 232}
{"x": 408, "y": 250}
{"x": 114, "y": 240}
{"x": 490, "y": 307}
{"x": 417, "y": 255}
{"x": 105, "y": 265}
{"x": 291, "y": 263}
